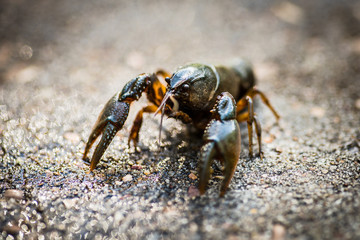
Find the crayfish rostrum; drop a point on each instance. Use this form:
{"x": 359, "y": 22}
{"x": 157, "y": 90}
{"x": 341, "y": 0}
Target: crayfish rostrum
{"x": 213, "y": 98}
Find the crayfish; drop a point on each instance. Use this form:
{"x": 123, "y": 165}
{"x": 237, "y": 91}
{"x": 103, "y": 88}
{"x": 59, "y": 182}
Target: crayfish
{"x": 213, "y": 98}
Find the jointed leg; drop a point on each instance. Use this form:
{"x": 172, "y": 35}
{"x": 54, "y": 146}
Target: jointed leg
{"x": 163, "y": 73}
{"x": 181, "y": 116}
{"x": 134, "y": 132}
{"x": 155, "y": 94}
{"x": 247, "y": 116}
{"x": 253, "y": 92}
{"x": 258, "y": 134}
{"x": 250, "y": 117}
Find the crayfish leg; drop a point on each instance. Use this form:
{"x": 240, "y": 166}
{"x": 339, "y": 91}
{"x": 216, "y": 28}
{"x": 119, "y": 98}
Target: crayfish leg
{"x": 134, "y": 132}
{"x": 258, "y": 133}
{"x": 265, "y": 100}
{"x": 250, "y": 117}
{"x": 155, "y": 94}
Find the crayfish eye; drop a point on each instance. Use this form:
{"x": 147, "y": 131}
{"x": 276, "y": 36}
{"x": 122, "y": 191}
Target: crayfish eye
{"x": 185, "y": 87}
{"x": 167, "y": 80}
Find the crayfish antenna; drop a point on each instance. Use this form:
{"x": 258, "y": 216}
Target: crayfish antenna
{"x": 162, "y": 109}
{"x": 161, "y": 121}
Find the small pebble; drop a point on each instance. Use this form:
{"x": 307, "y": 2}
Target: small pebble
{"x": 269, "y": 139}
{"x": 253, "y": 211}
{"x": 72, "y": 137}
{"x": 13, "y": 229}
{"x": 127, "y": 178}
{"x": 146, "y": 172}
{"x": 192, "y": 176}
{"x": 136, "y": 167}
{"x": 193, "y": 191}
{"x": 69, "y": 202}
{"x": 357, "y": 103}
{"x": 318, "y": 112}
{"x": 13, "y": 193}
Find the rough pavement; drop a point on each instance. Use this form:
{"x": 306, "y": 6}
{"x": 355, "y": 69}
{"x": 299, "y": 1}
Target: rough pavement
{"x": 60, "y": 61}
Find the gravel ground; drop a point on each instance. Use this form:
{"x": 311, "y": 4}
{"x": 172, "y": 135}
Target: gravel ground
{"x": 60, "y": 61}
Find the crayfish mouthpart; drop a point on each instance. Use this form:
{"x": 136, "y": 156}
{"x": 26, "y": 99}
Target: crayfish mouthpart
{"x": 175, "y": 103}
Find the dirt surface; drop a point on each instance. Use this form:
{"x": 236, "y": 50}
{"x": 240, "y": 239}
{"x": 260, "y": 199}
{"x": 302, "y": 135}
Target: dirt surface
{"x": 60, "y": 61}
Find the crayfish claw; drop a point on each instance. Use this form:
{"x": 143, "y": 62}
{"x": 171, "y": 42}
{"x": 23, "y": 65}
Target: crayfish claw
{"x": 230, "y": 162}
{"x": 223, "y": 142}
{"x": 208, "y": 153}
{"x": 110, "y": 121}
{"x": 92, "y": 138}
{"x": 106, "y": 138}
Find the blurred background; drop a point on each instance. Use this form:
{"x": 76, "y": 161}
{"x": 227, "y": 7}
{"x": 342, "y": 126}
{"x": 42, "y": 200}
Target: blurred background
{"x": 95, "y": 47}
{"x": 60, "y": 61}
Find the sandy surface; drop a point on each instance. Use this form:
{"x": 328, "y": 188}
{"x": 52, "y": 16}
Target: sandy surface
{"x": 60, "y": 61}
